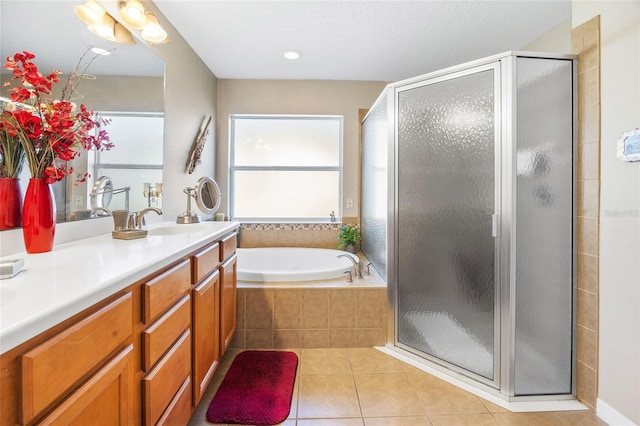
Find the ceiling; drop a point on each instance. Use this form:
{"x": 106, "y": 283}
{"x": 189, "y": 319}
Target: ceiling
{"x": 339, "y": 40}
{"x": 355, "y": 40}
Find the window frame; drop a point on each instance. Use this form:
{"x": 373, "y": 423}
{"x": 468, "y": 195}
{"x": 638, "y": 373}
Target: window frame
{"x": 233, "y": 168}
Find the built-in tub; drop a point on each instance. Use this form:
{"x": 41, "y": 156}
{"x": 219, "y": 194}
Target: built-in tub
{"x": 291, "y": 264}
{"x": 300, "y": 298}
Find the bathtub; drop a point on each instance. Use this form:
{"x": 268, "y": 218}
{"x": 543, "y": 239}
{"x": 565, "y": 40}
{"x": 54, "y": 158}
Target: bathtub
{"x": 291, "y": 264}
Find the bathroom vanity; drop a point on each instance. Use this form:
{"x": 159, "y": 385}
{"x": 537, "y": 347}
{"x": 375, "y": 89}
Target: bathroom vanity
{"x": 118, "y": 331}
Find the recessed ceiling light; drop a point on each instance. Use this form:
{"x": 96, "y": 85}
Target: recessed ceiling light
{"x": 292, "y": 54}
{"x": 100, "y": 51}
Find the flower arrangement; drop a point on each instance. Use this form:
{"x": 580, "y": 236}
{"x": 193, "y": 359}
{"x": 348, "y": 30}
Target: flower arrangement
{"x": 349, "y": 235}
{"x": 46, "y": 132}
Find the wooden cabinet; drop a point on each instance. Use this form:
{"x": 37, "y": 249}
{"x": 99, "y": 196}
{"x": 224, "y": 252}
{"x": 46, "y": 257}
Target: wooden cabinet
{"x": 105, "y": 399}
{"x": 159, "y": 337}
{"x": 228, "y": 302}
{"x": 144, "y": 355}
{"x": 53, "y": 368}
{"x": 166, "y": 353}
{"x": 206, "y": 333}
{"x": 163, "y": 383}
{"x": 162, "y": 291}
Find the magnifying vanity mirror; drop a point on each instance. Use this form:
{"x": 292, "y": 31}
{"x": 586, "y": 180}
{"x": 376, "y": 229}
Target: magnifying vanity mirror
{"x": 207, "y": 196}
{"x": 126, "y": 87}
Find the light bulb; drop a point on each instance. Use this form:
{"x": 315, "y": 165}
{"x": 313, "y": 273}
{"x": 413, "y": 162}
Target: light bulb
{"x": 90, "y": 13}
{"x": 153, "y": 32}
{"x": 132, "y": 13}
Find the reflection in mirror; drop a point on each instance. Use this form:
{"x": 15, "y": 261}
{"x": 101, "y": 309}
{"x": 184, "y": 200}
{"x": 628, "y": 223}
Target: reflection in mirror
{"x": 207, "y": 195}
{"x": 126, "y": 86}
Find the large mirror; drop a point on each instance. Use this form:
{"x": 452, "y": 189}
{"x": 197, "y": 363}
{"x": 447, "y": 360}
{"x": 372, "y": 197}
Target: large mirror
{"x": 126, "y": 87}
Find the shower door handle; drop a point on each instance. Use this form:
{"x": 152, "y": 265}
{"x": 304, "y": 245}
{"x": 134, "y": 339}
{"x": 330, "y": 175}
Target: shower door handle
{"x": 494, "y": 225}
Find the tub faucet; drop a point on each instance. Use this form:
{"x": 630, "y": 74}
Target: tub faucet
{"x": 138, "y": 217}
{"x": 356, "y": 265}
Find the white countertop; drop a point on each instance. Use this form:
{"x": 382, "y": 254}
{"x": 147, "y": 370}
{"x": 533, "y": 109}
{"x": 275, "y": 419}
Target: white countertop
{"x": 73, "y": 276}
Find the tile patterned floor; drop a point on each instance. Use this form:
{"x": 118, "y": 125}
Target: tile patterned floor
{"x": 365, "y": 387}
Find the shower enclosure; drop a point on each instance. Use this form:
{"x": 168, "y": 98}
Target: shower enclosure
{"x": 480, "y": 229}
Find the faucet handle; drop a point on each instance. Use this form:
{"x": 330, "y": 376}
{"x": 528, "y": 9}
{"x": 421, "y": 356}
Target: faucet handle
{"x": 349, "y": 276}
{"x": 367, "y": 271}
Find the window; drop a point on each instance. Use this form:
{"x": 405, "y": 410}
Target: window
{"x": 136, "y": 160}
{"x": 285, "y": 167}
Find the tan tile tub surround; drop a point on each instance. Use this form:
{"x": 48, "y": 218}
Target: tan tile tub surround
{"x": 338, "y": 315}
{"x": 585, "y": 41}
{"x": 330, "y": 317}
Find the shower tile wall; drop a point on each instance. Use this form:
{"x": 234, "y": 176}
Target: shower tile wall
{"x": 311, "y": 318}
{"x": 585, "y": 41}
{"x": 320, "y": 235}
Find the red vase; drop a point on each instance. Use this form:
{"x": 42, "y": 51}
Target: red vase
{"x": 10, "y": 203}
{"x": 38, "y": 216}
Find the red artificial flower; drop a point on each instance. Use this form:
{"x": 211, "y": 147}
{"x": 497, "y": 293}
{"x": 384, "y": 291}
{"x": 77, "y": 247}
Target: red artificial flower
{"x": 50, "y": 132}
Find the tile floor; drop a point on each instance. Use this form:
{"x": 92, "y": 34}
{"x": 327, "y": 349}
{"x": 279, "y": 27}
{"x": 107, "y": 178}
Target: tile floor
{"x": 365, "y": 387}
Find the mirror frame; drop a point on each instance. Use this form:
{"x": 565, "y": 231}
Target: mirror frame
{"x": 209, "y": 185}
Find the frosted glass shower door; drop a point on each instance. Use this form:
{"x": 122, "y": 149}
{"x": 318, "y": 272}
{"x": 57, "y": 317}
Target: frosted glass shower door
{"x": 446, "y": 174}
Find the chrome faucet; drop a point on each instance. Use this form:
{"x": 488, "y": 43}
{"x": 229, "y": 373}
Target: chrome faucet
{"x": 138, "y": 217}
{"x": 356, "y": 265}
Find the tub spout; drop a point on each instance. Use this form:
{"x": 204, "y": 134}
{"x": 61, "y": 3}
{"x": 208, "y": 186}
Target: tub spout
{"x": 356, "y": 265}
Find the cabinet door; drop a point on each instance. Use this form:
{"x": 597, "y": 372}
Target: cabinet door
{"x": 228, "y": 302}
{"x": 105, "y": 399}
{"x": 48, "y": 374}
{"x": 206, "y": 333}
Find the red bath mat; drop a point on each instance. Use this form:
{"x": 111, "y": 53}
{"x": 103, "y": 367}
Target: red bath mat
{"x": 256, "y": 390}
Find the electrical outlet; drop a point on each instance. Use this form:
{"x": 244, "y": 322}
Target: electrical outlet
{"x": 349, "y": 203}
{"x": 78, "y": 200}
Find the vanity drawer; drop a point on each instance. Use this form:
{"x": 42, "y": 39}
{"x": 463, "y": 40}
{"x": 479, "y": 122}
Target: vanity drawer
{"x": 179, "y": 410}
{"x": 52, "y": 368}
{"x": 161, "y": 334}
{"x": 164, "y": 381}
{"x": 228, "y": 246}
{"x": 161, "y": 292}
{"x": 204, "y": 262}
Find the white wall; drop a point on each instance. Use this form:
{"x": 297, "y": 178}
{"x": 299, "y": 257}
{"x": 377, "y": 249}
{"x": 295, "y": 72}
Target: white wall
{"x": 619, "y": 337}
{"x": 558, "y": 40}
{"x": 190, "y": 96}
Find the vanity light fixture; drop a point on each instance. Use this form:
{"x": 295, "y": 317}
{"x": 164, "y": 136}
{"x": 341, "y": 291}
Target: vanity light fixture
{"x": 133, "y": 13}
{"x": 123, "y": 35}
{"x": 104, "y": 28}
{"x": 153, "y": 32}
{"x": 90, "y": 13}
{"x": 101, "y": 23}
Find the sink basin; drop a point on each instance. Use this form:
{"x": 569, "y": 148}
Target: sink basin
{"x": 177, "y": 229}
